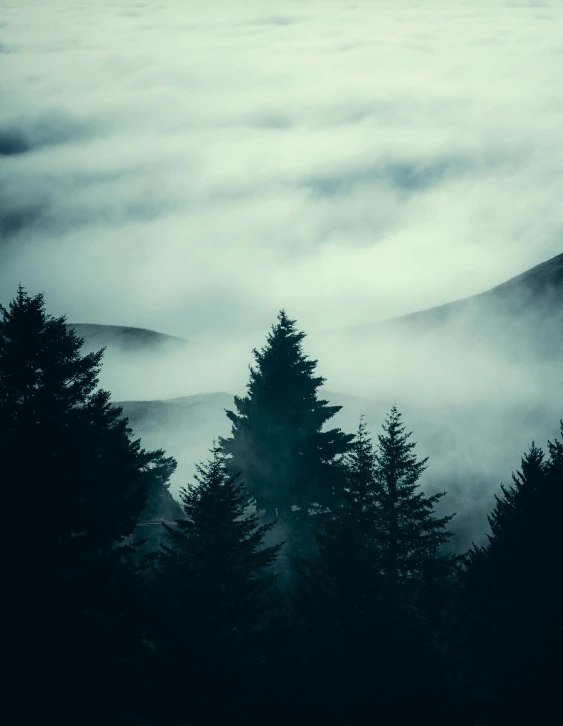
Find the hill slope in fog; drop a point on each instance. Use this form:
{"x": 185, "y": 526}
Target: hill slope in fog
{"x": 530, "y": 304}
{"x": 538, "y": 289}
{"x": 124, "y": 338}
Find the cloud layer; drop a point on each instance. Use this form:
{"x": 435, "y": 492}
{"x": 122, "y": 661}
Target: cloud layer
{"x": 193, "y": 166}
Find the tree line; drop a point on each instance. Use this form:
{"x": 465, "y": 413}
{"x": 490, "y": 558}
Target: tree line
{"x": 308, "y": 576}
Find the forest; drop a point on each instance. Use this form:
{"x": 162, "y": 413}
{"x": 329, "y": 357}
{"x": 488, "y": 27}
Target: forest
{"x": 307, "y": 577}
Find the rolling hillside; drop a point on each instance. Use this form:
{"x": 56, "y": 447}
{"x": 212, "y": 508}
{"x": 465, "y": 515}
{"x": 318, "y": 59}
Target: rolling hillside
{"x": 124, "y": 338}
{"x": 531, "y": 302}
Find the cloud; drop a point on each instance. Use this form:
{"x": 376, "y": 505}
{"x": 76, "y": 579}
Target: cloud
{"x": 193, "y": 167}
{"x": 267, "y": 163}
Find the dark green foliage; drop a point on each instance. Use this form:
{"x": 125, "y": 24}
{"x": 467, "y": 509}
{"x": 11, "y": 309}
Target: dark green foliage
{"x": 512, "y": 603}
{"x": 70, "y": 449}
{"x": 416, "y": 573}
{"x": 346, "y": 611}
{"x": 348, "y": 563}
{"x": 213, "y": 584}
{"x": 277, "y": 439}
{"x": 68, "y": 462}
{"x": 517, "y": 499}
{"x": 410, "y": 535}
{"x": 336, "y": 598}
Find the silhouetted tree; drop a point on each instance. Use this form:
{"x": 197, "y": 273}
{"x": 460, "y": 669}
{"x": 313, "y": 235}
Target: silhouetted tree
{"x": 416, "y": 572}
{"x": 410, "y": 534}
{"x": 277, "y": 441}
{"x": 512, "y": 604}
{"x": 214, "y": 587}
{"x": 336, "y": 599}
{"x": 68, "y": 462}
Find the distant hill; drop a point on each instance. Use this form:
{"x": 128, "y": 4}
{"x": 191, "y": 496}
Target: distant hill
{"x": 524, "y": 313}
{"x": 538, "y": 290}
{"x": 532, "y": 301}
{"x": 124, "y": 338}
{"x": 177, "y": 412}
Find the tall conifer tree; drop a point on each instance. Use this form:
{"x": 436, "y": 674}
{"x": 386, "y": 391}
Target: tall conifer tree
{"x": 336, "y": 598}
{"x": 277, "y": 440}
{"x": 345, "y": 572}
{"x": 278, "y": 444}
{"x": 69, "y": 465}
{"x": 416, "y": 572}
{"x": 410, "y": 534}
{"x": 512, "y": 605}
{"x": 214, "y": 586}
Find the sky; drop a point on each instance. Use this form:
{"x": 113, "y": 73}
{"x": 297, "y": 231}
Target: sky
{"x": 192, "y": 167}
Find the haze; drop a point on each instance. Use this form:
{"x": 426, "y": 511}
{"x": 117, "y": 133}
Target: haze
{"x": 192, "y": 167}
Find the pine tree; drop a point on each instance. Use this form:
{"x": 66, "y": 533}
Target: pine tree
{"x": 277, "y": 439}
{"x": 214, "y": 584}
{"x": 72, "y": 472}
{"x": 346, "y": 565}
{"x": 515, "y": 500}
{"x": 513, "y": 592}
{"x": 410, "y": 534}
{"x": 416, "y": 573}
{"x": 288, "y": 462}
{"x": 555, "y": 464}
{"x": 358, "y": 493}
{"x": 336, "y": 598}
{"x": 364, "y": 640}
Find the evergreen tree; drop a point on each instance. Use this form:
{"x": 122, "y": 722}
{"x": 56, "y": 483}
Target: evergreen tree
{"x": 555, "y": 464}
{"x": 277, "y": 439}
{"x": 417, "y": 574}
{"x": 68, "y": 463}
{"x": 410, "y": 534}
{"x": 336, "y": 598}
{"x": 347, "y": 562}
{"x": 287, "y": 461}
{"x": 361, "y": 643}
{"x": 512, "y": 602}
{"x": 214, "y": 587}
{"x": 358, "y": 493}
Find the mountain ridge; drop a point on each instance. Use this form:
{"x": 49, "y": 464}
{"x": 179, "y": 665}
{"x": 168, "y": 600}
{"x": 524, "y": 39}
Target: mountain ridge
{"x": 539, "y": 288}
{"x": 126, "y": 337}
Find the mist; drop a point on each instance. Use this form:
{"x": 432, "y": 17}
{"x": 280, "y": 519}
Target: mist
{"x": 193, "y": 167}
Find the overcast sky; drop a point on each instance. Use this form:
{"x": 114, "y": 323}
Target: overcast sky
{"x": 194, "y": 166}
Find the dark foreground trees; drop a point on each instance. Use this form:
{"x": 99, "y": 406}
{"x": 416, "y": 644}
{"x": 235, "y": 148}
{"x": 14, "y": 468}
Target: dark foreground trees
{"x": 68, "y": 462}
{"x": 212, "y": 593}
{"x": 381, "y": 627}
{"x": 510, "y": 616}
{"x": 372, "y": 596}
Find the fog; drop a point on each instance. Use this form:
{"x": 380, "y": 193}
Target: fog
{"x": 192, "y": 167}
{"x": 474, "y": 402}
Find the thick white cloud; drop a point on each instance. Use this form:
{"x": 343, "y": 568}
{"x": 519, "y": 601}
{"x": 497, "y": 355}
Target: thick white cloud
{"x": 194, "y": 166}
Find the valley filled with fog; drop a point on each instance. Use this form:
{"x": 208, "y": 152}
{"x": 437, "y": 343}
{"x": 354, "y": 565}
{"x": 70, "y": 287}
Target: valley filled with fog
{"x": 476, "y": 382}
